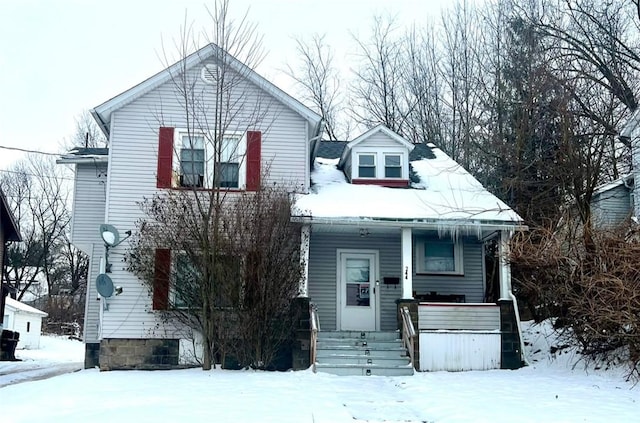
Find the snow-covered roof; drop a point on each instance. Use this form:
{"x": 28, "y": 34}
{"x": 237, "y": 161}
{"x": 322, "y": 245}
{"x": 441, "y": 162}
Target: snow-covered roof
{"x": 102, "y": 113}
{"x": 85, "y": 155}
{"x": 446, "y": 194}
{"x": 17, "y": 306}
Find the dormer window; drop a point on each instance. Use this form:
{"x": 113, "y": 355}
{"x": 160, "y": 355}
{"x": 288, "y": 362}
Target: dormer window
{"x": 366, "y": 165}
{"x": 392, "y": 166}
{"x": 377, "y": 157}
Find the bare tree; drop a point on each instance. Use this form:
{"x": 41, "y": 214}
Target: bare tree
{"x": 197, "y": 241}
{"x": 320, "y": 85}
{"x": 87, "y": 134}
{"x": 38, "y": 197}
{"x": 377, "y": 93}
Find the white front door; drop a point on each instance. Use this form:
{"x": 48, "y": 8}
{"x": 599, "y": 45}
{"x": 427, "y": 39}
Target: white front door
{"x": 357, "y": 291}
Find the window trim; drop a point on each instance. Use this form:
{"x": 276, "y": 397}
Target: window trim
{"x": 374, "y": 167}
{"x": 401, "y": 167}
{"x": 458, "y": 256}
{"x": 210, "y": 160}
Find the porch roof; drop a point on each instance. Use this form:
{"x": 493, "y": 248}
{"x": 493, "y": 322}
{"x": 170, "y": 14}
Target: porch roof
{"x": 444, "y": 194}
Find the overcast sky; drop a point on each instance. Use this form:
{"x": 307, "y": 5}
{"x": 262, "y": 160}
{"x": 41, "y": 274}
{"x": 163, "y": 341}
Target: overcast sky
{"x": 58, "y": 58}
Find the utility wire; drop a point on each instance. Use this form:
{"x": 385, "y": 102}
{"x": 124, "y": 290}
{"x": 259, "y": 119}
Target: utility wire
{"x": 24, "y": 150}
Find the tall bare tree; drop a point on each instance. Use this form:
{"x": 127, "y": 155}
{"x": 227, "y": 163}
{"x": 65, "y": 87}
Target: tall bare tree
{"x": 197, "y": 241}
{"x": 319, "y": 83}
{"x": 377, "y": 92}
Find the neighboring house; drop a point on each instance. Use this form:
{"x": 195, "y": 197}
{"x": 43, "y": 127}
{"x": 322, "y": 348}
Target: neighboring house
{"x": 25, "y": 320}
{"x": 613, "y": 203}
{"x": 389, "y": 224}
{"x": 616, "y": 201}
{"x": 9, "y": 232}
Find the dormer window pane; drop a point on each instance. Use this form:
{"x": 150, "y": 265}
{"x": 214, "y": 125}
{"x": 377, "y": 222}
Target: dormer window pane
{"x": 392, "y": 166}
{"x": 366, "y": 166}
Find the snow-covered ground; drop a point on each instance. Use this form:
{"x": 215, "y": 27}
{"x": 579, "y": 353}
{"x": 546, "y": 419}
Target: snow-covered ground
{"x": 550, "y": 390}
{"x": 56, "y": 355}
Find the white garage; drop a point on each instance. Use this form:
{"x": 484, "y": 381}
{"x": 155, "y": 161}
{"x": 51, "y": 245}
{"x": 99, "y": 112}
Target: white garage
{"x": 25, "y": 319}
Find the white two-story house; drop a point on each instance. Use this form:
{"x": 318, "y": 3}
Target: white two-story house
{"x": 390, "y": 224}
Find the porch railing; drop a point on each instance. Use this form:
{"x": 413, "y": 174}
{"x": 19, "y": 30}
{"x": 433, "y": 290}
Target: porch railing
{"x": 408, "y": 333}
{"x": 315, "y": 328}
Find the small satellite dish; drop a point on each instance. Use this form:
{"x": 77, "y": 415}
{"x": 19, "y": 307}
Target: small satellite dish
{"x": 109, "y": 234}
{"x": 104, "y": 285}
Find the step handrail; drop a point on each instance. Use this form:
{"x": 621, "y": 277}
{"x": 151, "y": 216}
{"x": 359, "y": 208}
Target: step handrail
{"x": 408, "y": 332}
{"x": 315, "y": 328}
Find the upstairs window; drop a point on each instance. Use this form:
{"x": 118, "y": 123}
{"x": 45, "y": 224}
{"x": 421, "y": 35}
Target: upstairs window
{"x": 366, "y": 165}
{"x": 392, "y": 166}
{"x": 192, "y": 161}
{"x": 228, "y": 168}
{"x": 439, "y": 256}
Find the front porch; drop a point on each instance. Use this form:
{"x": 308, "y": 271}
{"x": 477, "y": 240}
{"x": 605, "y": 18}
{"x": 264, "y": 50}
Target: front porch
{"x": 360, "y": 278}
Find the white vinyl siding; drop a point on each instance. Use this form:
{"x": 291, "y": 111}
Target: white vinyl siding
{"x": 88, "y": 213}
{"x": 132, "y": 176}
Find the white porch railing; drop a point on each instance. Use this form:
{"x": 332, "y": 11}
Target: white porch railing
{"x": 315, "y": 328}
{"x": 408, "y": 333}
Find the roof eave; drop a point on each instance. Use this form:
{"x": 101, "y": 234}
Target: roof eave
{"x": 79, "y": 160}
{"x": 412, "y": 223}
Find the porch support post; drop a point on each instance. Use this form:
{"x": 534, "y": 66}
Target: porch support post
{"x": 407, "y": 264}
{"x": 305, "y": 234}
{"x": 505, "y": 266}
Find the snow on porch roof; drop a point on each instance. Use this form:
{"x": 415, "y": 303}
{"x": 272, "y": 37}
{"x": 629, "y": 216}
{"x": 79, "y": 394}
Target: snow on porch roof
{"x": 21, "y": 307}
{"x": 445, "y": 194}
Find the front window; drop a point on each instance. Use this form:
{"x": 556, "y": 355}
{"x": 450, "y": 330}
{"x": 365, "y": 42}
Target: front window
{"x": 392, "y": 166}
{"x": 186, "y": 286}
{"x": 366, "y": 166}
{"x": 439, "y": 256}
{"x": 202, "y": 162}
{"x": 192, "y": 162}
{"x": 228, "y": 168}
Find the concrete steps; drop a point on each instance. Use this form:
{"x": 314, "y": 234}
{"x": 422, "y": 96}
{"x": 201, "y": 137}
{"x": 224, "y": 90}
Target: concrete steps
{"x": 362, "y": 353}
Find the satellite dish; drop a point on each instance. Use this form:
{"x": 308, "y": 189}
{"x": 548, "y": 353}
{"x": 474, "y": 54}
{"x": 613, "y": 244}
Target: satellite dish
{"x": 109, "y": 234}
{"x": 104, "y": 285}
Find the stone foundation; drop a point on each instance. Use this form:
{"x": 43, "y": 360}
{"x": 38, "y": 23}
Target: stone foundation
{"x": 91, "y": 355}
{"x": 139, "y": 354}
{"x": 511, "y": 356}
{"x": 300, "y": 351}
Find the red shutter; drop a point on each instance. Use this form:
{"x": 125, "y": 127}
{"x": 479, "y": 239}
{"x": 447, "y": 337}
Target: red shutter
{"x": 161, "y": 279}
{"x": 165, "y": 157}
{"x": 254, "y": 169}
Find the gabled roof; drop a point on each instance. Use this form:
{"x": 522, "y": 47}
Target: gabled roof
{"x": 102, "y": 113}
{"x": 85, "y": 155}
{"x": 379, "y": 128}
{"x": 8, "y": 221}
{"x": 334, "y": 149}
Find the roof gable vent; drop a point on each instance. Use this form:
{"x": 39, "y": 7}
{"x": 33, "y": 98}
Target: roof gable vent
{"x": 209, "y": 74}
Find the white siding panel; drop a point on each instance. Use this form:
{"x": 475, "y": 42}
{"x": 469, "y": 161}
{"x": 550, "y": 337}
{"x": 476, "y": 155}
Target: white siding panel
{"x": 380, "y": 139}
{"x": 132, "y": 176}
{"x": 465, "y": 317}
{"x": 88, "y": 214}
{"x": 612, "y": 207}
{"x": 461, "y": 351}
